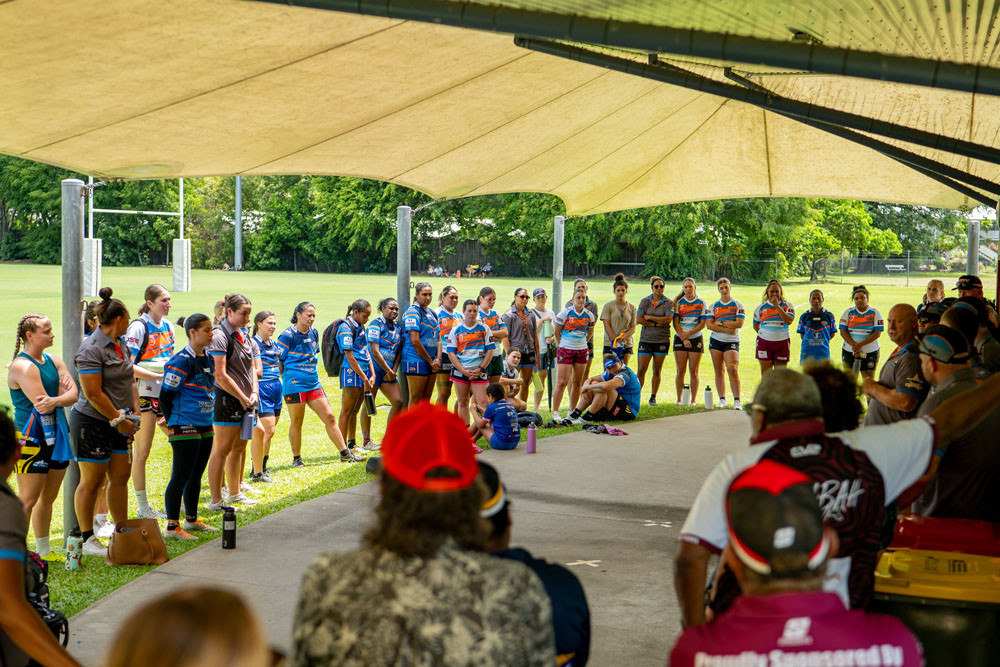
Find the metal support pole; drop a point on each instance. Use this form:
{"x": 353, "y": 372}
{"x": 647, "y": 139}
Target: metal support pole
{"x": 404, "y": 251}
{"x": 181, "y": 198}
{"x": 558, "y": 239}
{"x": 972, "y": 259}
{"x": 72, "y": 314}
{"x": 238, "y": 221}
{"x": 90, "y": 208}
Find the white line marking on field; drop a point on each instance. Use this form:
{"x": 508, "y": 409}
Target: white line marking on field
{"x": 591, "y": 563}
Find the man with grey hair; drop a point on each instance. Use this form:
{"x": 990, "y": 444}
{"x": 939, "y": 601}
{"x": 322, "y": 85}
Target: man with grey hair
{"x": 855, "y": 475}
{"x": 901, "y": 386}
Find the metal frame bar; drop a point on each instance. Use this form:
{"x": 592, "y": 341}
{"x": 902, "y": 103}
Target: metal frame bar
{"x": 114, "y": 210}
{"x": 813, "y": 57}
{"x": 679, "y": 77}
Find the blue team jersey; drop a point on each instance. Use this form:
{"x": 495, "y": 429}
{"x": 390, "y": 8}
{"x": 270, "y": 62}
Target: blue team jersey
{"x": 388, "y": 337}
{"x": 817, "y": 330}
{"x": 269, "y": 353}
{"x": 630, "y": 390}
{"x": 297, "y": 352}
{"x": 347, "y": 340}
{"x": 470, "y": 344}
{"x": 503, "y": 417}
{"x": 425, "y": 322}
{"x": 188, "y": 387}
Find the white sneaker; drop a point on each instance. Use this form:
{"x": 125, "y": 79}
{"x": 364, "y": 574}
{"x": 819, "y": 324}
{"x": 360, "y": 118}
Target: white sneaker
{"x": 722, "y": 404}
{"x": 556, "y": 417}
{"x": 241, "y": 499}
{"x": 737, "y": 405}
{"x": 246, "y": 488}
{"x": 94, "y": 547}
{"x": 579, "y": 420}
{"x": 104, "y": 530}
{"x": 151, "y": 513}
{"x": 217, "y": 507}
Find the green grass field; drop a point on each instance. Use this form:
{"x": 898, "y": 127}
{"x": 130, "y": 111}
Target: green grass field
{"x": 32, "y": 288}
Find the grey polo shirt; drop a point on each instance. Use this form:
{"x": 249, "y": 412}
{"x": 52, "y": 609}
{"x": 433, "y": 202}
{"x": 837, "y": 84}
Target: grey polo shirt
{"x": 239, "y": 363}
{"x": 112, "y": 359}
{"x": 989, "y": 352}
{"x": 967, "y": 485}
{"x": 522, "y": 330}
{"x": 658, "y": 334}
{"x": 13, "y": 546}
{"x": 902, "y": 373}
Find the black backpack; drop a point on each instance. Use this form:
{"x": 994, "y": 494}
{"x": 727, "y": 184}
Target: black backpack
{"x": 37, "y": 573}
{"x": 145, "y": 338}
{"x": 333, "y": 356}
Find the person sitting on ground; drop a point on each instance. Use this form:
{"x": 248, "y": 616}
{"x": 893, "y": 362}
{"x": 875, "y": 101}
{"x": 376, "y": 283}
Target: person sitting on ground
{"x": 842, "y": 409}
{"x": 967, "y": 483}
{"x": 217, "y": 628}
{"x": 817, "y": 326}
{"x": 422, "y": 590}
{"x": 611, "y": 396}
{"x": 511, "y": 380}
{"x": 570, "y": 612}
{"x": 778, "y": 551}
{"x": 901, "y": 386}
{"x": 498, "y": 424}
{"x": 438, "y": 271}
{"x": 855, "y": 475}
{"x": 964, "y": 320}
{"x": 930, "y": 315}
{"x": 23, "y": 634}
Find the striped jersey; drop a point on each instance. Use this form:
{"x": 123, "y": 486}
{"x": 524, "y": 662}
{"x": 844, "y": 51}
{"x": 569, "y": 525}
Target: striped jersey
{"x": 269, "y": 352}
{"x": 158, "y": 350}
{"x": 690, "y": 314}
{"x": 574, "y": 328}
{"x": 767, "y": 317}
{"x": 388, "y": 337}
{"x": 470, "y": 344}
{"x": 297, "y": 352}
{"x": 425, "y": 322}
{"x": 729, "y": 311}
{"x": 352, "y": 337}
{"x": 492, "y": 320}
{"x": 447, "y": 321}
{"x": 861, "y": 324}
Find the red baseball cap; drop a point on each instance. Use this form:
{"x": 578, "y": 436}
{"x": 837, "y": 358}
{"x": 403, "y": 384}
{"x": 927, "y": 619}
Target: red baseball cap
{"x": 426, "y": 437}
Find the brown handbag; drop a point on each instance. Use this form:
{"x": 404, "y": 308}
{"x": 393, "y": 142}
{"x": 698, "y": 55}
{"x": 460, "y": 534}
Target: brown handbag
{"x": 137, "y": 542}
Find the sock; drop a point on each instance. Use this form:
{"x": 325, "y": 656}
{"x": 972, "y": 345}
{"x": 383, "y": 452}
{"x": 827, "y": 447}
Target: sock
{"x": 296, "y": 458}
{"x": 191, "y": 519}
{"x": 366, "y": 436}
{"x": 351, "y": 444}
{"x": 575, "y": 414}
{"x": 101, "y": 518}
{"x": 588, "y": 416}
{"x": 140, "y": 497}
{"x": 172, "y": 525}
{"x": 86, "y": 535}
{"x": 264, "y": 464}
{"x": 42, "y": 546}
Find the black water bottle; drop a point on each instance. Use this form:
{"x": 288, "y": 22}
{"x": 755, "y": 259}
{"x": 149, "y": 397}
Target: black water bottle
{"x": 370, "y": 403}
{"x": 229, "y": 528}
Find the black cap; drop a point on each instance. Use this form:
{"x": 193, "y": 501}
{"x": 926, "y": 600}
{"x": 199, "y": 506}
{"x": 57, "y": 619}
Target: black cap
{"x": 932, "y": 312}
{"x": 968, "y": 282}
{"x": 944, "y": 344}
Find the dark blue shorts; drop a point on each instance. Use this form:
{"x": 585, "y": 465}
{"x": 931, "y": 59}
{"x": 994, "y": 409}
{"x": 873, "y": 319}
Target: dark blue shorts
{"x": 380, "y": 377}
{"x": 270, "y": 398}
{"x": 496, "y": 442}
{"x": 348, "y": 378}
{"x": 419, "y": 367}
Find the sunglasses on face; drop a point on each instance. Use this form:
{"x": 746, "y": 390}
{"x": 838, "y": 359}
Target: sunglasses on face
{"x": 658, "y": 286}
{"x": 522, "y": 296}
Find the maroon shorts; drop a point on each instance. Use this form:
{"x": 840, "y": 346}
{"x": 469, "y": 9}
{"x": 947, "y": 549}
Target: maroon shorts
{"x": 773, "y": 350}
{"x": 304, "y": 396}
{"x": 570, "y": 357}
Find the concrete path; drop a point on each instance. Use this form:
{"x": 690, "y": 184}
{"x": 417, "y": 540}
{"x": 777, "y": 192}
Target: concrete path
{"x": 609, "y": 507}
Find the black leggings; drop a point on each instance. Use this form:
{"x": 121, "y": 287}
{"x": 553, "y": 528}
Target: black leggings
{"x": 192, "y": 446}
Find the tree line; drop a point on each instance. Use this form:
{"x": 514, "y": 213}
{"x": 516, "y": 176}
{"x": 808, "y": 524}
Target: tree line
{"x": 335, "y": 224}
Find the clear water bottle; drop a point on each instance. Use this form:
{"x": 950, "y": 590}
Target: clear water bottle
{"x": 856, "y": 368}
{"x": 229, "y": 528}
{"x": 709, "y": 400}
{"x": 532, "y": 440}
{"x": 686, "y": 395}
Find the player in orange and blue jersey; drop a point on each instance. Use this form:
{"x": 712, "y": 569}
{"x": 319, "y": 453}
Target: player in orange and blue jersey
{"x": 770, "y": 321}
{"x": 574, "y": 330}
{"x": 470, "y": 350}
{"x": 689, "y": 320}
{"x": 498, "y": 328}
{"x": 861, "y": 327}
{"x": 448, "y": 317}
{"x": 725, "y": 318}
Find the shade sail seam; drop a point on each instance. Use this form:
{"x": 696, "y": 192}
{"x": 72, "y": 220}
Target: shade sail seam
{"x": 217, "y": 88}
{"x": 490, "y": 131}
{"x": 594, "y": 163}
{"x": 583, "y": 129}
{"x": 767, "y": 155}
{"x": 668, "y": 154}
{"x": 408, "y": 105}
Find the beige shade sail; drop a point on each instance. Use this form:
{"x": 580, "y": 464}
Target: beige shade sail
{"x": 139, "y": 89}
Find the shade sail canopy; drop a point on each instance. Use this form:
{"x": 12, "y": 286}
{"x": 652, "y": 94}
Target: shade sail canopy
{"x": 141, "y": 89}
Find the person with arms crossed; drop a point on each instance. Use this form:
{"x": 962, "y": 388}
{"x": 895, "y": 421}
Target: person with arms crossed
{"x": 498, "y": 329}
{"x": 546, "y": 343}
{"x": 581, "y": 285}
{"x": 448, "y": 316}
{"x": 619, "y": 318}
{"x": 817, "y": 326}
{"x": 725, "y": 319}
{"x": 778, "y": 551}
{"x": 522, "y": 334}
{"x": 574, "y": 328}
{"x": 356, "y": 375}
{"x": 470, "y": 350}
{"x": 654, "y": 313}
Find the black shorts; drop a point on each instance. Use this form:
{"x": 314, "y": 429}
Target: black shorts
{"x": 150, "y": 404}
{"x": 620, "y": 411}
{"x": 228, "y": 409}
{"x": 527, "y": 359}
{"x": 697, "y": 345}
{"x": 657, "y": 349}
{"x": 723, "y": 346}
{"x": 455, "y": 376}
{"x": 95, "y": 440}
{"x": 36, "y": 458}
{"x": 608, "y": 350}
{"x": 868, "y": 363}
{"x": 446, "y": 366}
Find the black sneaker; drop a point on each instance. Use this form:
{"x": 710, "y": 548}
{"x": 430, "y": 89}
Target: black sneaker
{"x": 347, "y": 456}
{"x": 298, "y": 463}
{"x": 652, "y": 400}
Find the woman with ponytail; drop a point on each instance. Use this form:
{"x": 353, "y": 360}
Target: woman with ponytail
{"x": 40, "y": 387}
{"x": 356, "y": 376}
{"x": 619, "y": 318}
{"x": 421, "y": 334}
{"x": 268, "y": 369}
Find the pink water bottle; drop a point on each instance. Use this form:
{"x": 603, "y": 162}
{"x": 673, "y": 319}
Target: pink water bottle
{"x": 532, "y": 438}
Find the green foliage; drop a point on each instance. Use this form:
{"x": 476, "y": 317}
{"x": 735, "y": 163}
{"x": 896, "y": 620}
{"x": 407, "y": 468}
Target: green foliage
{"x": 921, "y": 230}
